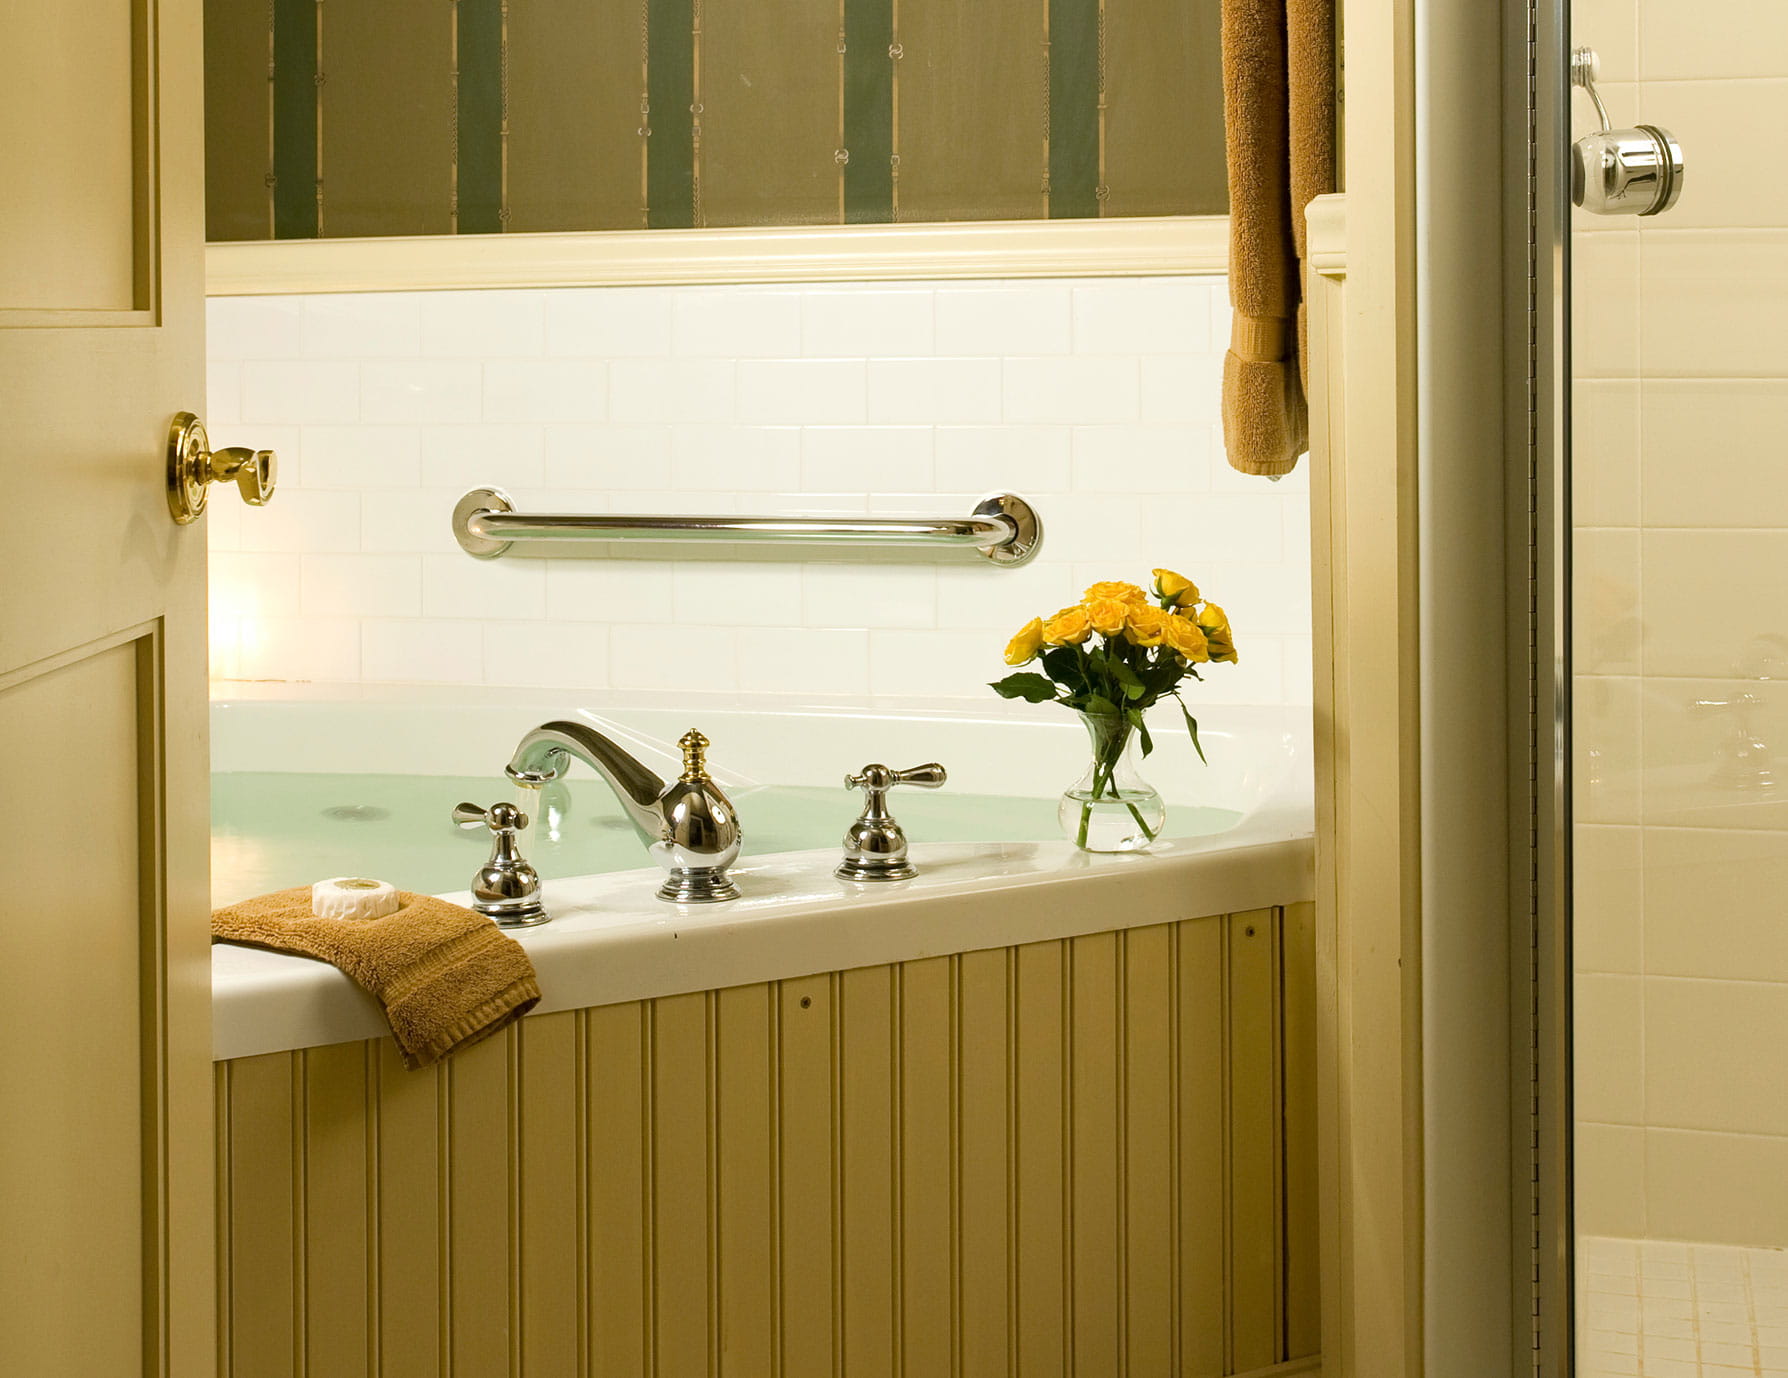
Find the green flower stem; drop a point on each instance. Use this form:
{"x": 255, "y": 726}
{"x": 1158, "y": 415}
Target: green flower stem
{"x": 1107, "y": 761}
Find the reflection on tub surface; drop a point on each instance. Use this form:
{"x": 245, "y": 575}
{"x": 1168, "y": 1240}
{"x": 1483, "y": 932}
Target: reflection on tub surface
{"x": 272, "y": 830}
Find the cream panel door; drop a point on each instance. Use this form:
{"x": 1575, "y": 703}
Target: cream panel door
{"x": 105, "y": 1109}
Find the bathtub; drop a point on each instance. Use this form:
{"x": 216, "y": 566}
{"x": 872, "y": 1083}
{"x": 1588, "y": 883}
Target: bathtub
{"x": 1035, "y": 1106}
{"x": 994, "y": 869}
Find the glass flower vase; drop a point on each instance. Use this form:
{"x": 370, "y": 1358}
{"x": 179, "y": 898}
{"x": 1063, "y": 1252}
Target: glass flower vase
{"x": 1111, "y": 808}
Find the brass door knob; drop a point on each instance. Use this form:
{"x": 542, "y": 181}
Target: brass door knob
{"x": 192, "y": 464}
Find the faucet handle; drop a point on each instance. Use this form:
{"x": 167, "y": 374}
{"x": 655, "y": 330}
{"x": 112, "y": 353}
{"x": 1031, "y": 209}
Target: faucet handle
{"x": 500, "y": 817}
{"x": 875, "y": 845}
{"x": 695, "y": 759}
{"x": 506, "y": 889}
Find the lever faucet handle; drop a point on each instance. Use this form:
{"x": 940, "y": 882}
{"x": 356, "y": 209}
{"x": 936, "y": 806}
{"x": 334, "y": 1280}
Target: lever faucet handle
{"x": 506, "y": 889}
{"x": 500, "y": 817}
{"x": 875, "y": 845}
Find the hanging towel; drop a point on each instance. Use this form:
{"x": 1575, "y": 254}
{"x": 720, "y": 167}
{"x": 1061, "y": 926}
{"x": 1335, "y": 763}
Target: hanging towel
{"x": 447, "y": 977}
{"x": 1279, "y": 125}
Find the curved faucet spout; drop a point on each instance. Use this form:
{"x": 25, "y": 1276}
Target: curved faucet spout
{"x": 542, "y": 758}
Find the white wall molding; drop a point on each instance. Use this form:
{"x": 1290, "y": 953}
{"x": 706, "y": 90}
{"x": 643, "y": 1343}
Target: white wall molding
{"x": 1129, "y": 247}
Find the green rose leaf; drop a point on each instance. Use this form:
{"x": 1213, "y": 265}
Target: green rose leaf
{"x": 1032, "y": 688}
{"x": 1142, "y": 729}
{"x": 1191, "y": 726}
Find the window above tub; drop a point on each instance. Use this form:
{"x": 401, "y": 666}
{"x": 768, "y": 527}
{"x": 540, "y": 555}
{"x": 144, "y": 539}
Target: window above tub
{"x": 502, "y": 142}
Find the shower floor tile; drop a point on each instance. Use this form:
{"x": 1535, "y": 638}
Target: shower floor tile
{"x": 1650, "y": 1308}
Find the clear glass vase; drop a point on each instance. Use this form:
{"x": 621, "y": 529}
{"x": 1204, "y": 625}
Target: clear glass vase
{"x": 1111, "y": 808}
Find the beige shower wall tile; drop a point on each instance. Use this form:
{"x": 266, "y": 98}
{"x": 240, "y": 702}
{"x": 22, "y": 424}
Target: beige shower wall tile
{"x": 1611, "y": 27}
{"x": 1605, "y": 340}
{"x": 1717, "y": 1188}
{"x": 1713, "y": 1054}
{"x": 1607, "y": 759}
{"x": 1710, "y": 596}
{"x": 1715, "y": 903}
{"x": 1606, "y": 927}
{"x": 1610, "y": 1180}
{"x": 1713, "y": 451}
{"x": 1711, "y": 303}
{"x": 1734, "y": 38}
{"x": 1608, "y": 1025}
{"x": 1605, "y": 457}
{"x": 1723, "y": 127}
{"x": 1605, "y": 600}
{"x": 1702, "y": 765}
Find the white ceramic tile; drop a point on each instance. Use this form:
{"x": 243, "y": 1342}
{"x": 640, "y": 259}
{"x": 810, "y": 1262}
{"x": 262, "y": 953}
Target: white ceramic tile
{"x": 575, "y": 658}
{"x": 748, "y": 458}
{"x": 1717, "y": 118}
{"x": 1724, "y": 41}
{"x": 422, "y": 651}
{"x": 863, "y": 323}
{"x": 223, "y": 392}
{"x": 746, "y": 595}
{"x": 484, "y": 455}
{"x": 399, "y": 522}
{"x": 736, "y": 323}
{"x": 612, "y": 456}
{"x": 1609, "y": 1073}
{"x": 933, "y": 664}
{"x": 804, "y": 660}
{"x": 1020, "y": 459}
{"x": 361, "y": 585}
{"x": 1101, "y": 528}
{"x": 661, "y": 657}
{"x": 996, "y": 321}
{"x": 482, "y": 325}
{"x": 609, "y": 322}
{"x": 1143, "y": 316}
{"x": 948, "y": 392}
{"x": 319, "y": 649}
{"x": 545, "y": 390}
{"x": 1188, "y": 389}
{"x": 238, "y": 328}
{"x": 460, "y": 585}
{"x": 1299, "y": 675}
{"x": 802, "y": 391}
{"x": 839, "y": 458}
{"x": 435, "y": 390}
{"x": 617, "y": 591}
{"x": 1702, "y": 295}
{"x": 292, "y": 392}
{"x": 301, "y": 520}
{"x": 254, "y": 584}
{"x": 1070, "y": 391}
{"x": 664, "y": 390}
{"x": 357, "y": 457}
{"x": 844, "y": 596}
{"x": 1611, "y": 27}
{"x": 1189, "y": 533}
{"x": 1142, "y": 458}
{"x": 1696, "y": 1074}
{"x": 361, "y": 325}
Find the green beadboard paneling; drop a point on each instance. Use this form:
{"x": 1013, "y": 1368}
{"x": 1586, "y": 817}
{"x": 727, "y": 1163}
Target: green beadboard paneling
{"x": 969, "y": 110}
{"x": 770, "y": 113}
{"x": 295, "y": 170}
{"x": 238, "y": 152}
{"x": 432, "y": 116}
{"x": 1074, "y": 108}
{"x": 576, "y": 80}
{"x": 478, "y": 156}
{"x": 868, "y": 111}
{"x": 1164, "y": 110}
{"x": 388, "y": 125}
{"x": 670, "y": 152}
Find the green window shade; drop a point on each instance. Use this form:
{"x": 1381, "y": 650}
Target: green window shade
{"x": 408, "y": 117}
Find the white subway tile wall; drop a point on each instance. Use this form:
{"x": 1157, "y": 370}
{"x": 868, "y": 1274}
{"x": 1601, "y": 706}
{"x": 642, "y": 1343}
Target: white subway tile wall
{"x": 1096, "y": 399}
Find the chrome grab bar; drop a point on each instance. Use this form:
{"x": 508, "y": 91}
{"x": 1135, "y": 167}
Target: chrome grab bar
{"x": 1004, "y": 528}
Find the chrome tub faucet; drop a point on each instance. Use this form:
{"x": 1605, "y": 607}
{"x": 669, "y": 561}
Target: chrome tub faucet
{"x": 689, "y": 826}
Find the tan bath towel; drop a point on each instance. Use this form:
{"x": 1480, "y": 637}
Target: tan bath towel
{"x": 447, "y": 977}
{"x": 1279, "y": 121}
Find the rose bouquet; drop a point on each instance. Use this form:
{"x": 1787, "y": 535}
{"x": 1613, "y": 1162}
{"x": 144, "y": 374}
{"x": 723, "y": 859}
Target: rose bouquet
{"x": 1111, "y": 657}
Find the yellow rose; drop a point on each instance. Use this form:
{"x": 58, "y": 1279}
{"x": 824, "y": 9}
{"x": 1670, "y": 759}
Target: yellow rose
{"x": 1115, "y": 588}
{"x": 1147, "y": 626}
{"x": 1215, "y": 624}
{"x": 1069, "y": 627}
{"x": 1187, "y": 638}
{"x": 1024, "y": 647}
{"x": 1175, "y": 590}
{"x": 1106, "y": 614}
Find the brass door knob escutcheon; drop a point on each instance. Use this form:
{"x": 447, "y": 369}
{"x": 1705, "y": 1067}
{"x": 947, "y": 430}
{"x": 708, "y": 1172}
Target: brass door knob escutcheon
{"x": 193, "y": 464}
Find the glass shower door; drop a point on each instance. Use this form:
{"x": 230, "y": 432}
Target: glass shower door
{"x": 1679, "y": 463}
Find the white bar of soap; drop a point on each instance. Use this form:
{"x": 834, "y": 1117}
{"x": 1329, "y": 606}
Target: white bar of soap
{"x": 353, "y": 897}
